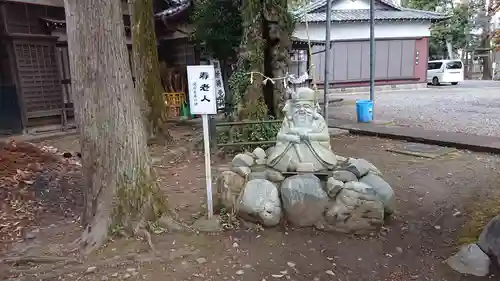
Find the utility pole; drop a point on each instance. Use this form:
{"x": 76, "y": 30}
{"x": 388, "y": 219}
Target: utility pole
{"x": 372, "y": 55}
{"x": 326, "y": 84}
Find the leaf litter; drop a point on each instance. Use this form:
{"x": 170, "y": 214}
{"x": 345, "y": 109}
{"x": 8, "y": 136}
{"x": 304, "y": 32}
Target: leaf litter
{"x": 26, "y": 189}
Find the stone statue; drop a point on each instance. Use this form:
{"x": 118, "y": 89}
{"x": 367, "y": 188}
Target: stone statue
{"x": 303, "y": 137}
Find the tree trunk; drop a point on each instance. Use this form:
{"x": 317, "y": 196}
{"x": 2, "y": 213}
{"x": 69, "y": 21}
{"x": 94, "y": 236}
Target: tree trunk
{"x": 252, "y": 104}
{"x": 280, "y": 29}
{"x": 264, "y": 50}
{"x": 120, "y": 189}
{"x": 487, "y": 71}
{"x": 147, "y": 67}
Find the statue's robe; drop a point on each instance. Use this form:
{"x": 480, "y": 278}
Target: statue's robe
{"x": 285, "y": 155}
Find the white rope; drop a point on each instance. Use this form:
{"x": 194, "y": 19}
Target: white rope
{"x": 291, "y": 78}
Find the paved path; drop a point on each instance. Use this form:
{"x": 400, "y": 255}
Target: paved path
{"x": 473, "y": 108}
{"x": 451, "y": 139}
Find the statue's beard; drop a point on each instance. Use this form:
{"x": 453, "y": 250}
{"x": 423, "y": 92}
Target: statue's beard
{"x": 302, "y": 119}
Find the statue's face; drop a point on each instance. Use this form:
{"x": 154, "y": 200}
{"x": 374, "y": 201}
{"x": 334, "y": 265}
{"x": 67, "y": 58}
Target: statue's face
{"x": 303, "y": 113}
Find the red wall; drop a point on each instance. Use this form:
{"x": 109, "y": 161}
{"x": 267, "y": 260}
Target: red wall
{"x": 422, "y": 52}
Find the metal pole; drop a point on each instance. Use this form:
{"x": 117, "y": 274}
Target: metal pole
{"x": 208, "y": 165}
{"x": 326, "y": 84}
{"x": 372, "y": 54}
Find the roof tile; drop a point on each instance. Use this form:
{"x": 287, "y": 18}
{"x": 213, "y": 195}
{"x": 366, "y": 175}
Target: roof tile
{"x": 364, "y": 15}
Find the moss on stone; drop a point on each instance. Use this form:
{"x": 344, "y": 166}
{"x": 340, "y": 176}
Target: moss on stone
{"x": 477, "y": 220}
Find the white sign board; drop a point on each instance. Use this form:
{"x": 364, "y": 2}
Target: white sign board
{"x": 219, "y": 84}
{"x": 201, "y": 84}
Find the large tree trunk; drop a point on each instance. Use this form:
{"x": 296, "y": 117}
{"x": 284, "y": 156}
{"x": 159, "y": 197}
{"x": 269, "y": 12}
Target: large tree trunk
{"x": 252, "y": 105}
{"x": 264, "y": 50}
{"x": 120, "y": 190}
{"x": 147, "y": 67}
{"x": 278, "y": 38}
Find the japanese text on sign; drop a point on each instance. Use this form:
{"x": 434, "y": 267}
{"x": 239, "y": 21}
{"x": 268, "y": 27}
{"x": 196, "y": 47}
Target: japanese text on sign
{"x": 202, "y": 94}
{"x": 219, "y": 85}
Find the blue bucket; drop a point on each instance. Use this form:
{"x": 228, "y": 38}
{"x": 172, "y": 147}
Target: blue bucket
{"x": 364, "y": 110}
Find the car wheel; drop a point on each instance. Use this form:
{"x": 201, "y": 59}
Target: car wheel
{"x": 454, "y": 83}
{"x": 435, "y": 81}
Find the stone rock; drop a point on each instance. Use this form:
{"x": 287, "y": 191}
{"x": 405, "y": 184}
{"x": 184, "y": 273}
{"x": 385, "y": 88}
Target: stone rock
{"x": 344, "y": 176}
{"x": 168, "y": 223}
{"x": 242, "y": 171}
{"x": 260, "y": 202}
{"x": 205, "y": 225}
{"x": 382, "y": 188}
{"x": 305, "y": 167}
{"x": 360, "y": 187}
{"x": 259, "y": 168}
{"x": 260, "y": 161}
{"x": 274, "y": 176}
{"x": 489, "y": 240}
{"x": 259, "y": 153}
{"x": 229, "y": 186}
{"x": 257, "y": 175}
{"x": 270, "y": 150}
{"x": 359, "y": 167}
{"x": 375, "y": 170}
{"x": 470, "y": 260}
{"x": 333, "y": 187}
{"x": 242, "y": 160}
{"x": 249, "y": 154}
{"x": 356, "y": 210}
{"x": 304, "y": 200}
{"x": 201, "y": 260}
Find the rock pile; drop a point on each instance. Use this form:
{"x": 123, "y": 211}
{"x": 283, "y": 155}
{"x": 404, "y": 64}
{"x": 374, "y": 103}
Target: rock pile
{"x": 351, "y": 198}
{"x": 475, "y": 259}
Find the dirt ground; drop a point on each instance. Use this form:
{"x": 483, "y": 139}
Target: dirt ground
{"x": 434, "y": 198}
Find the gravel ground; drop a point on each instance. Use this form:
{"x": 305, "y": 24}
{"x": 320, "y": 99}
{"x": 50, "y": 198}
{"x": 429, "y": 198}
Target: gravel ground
{"x": 468, "y": 109}
{"x": 412, "y": 246}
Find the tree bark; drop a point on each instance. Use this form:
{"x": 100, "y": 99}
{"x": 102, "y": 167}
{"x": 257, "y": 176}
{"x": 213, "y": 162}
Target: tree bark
{"x": 279, "y": 46}
{"x": 264, "y": 49}
{"x": 120, "y": 189}
{"x": 147, "y": 67}
{"x": 252, "y": 46}
{"x": 486, "y": 11}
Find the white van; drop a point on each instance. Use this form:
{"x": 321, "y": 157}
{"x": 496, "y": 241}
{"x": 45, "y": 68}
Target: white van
{"x": 445, "y": 71}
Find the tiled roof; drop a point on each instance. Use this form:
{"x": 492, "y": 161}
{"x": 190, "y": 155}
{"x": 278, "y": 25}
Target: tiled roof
{"x": 364, "y": 15}
{"x": 321, "y": 3}
{"x": 173, "y": 7}
{"x": 394, "y": 12}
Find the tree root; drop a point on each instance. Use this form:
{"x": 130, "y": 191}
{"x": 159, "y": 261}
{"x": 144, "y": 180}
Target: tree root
{"x": 141, "y": 232}
{"x": 169, "y": 223}
{"x": 54, "y": 272}
{"x": 37, "y": 259}
{"x": 161, "y": 136}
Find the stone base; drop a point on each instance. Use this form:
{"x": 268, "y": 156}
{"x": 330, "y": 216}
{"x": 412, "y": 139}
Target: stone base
{"x": 351, "y": 198}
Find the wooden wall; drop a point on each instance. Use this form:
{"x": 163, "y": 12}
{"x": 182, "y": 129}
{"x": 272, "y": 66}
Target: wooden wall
{"x": 25, "y": 18}
{"x": 33, "y": 60}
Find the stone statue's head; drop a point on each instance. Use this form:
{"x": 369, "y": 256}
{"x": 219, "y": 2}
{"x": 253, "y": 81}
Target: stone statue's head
{"x": 302, "y": 109}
